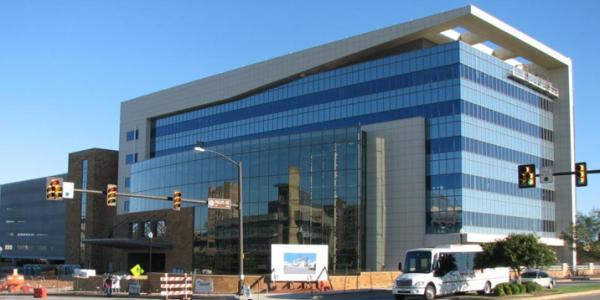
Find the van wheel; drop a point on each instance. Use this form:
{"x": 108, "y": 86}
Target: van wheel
{"x": 429, "y": 292}
{"x": 399, "y": 297}
{"x": 487, "y": 289}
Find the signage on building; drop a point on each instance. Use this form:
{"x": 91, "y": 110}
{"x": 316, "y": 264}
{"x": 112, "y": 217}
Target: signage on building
{"x": 546, "y": 175}
{"x": 219, "y": 203}
{"x": 68, "y": 190}
{"x": 299, "y": 262}
{"x": 202, "y": 286}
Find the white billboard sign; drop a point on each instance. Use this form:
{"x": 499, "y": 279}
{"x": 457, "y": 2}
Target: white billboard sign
{"x": 299, "y": 262}
{"x": 68, "y": 190}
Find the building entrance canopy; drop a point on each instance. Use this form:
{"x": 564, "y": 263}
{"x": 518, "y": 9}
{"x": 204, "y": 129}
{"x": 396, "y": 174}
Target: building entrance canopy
{"x": 125, "y": 243}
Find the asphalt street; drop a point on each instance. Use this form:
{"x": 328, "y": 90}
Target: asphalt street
{"x": 374, "y": 295}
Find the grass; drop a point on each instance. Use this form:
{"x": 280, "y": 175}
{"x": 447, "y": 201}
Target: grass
{"x": 577, "y": 288}
{"x": 544, "y": 292}
{"x": 558, "y": 290}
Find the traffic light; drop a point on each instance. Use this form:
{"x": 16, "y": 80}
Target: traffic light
{"x": 526, "y": 176}
{"x": 580, "y": 174}
{"x": 54, "y": 189}
{"x": 111, "y": 195}
{"x": 177, "y": 200}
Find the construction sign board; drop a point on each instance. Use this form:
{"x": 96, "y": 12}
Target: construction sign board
{"x": 299, "y": 262}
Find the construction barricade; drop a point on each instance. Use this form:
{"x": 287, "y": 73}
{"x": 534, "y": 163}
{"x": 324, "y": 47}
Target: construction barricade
{"x": 177, "y": 286}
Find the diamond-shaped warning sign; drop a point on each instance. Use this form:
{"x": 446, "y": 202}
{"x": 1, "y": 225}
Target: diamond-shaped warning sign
{"x": 137, "y": 270}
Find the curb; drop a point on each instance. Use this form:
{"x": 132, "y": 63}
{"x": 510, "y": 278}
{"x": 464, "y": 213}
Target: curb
{"x": 569, "y": 295}
{"x": 122, "y": 296}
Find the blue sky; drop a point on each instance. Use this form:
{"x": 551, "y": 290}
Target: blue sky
{"x": 65, "y": 66}
{"x": 291, "y": 257}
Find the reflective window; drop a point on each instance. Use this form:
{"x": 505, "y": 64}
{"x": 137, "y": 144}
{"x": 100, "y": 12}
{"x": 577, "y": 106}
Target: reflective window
{"x": 132, "y": 135}
{"x": 149, "y": 228}
{"x": 161, "y": 229}
{"x": 131, "y": 158}
{"x": 299, "y": 189}
{"x": 301, "y": 148}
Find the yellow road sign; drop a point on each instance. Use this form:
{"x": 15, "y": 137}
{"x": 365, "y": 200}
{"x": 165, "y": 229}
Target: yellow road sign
{"x": 137, "y": 270}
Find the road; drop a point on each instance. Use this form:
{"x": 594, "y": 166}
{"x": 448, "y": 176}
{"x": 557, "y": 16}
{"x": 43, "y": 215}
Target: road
{"x": 373, "y": 295}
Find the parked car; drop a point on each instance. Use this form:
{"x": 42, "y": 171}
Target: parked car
{"x": 540, "y": 277}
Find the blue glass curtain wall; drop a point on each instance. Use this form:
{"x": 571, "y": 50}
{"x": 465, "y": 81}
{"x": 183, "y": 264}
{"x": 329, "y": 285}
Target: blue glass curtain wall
{"x": 307, "y": 131}
{"x": 299, "y": 189}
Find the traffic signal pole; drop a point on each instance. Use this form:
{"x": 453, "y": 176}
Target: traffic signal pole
{"x": 163, "y": 198}
{"x": 572, "y": 173}
{"x": 527, "y": 175}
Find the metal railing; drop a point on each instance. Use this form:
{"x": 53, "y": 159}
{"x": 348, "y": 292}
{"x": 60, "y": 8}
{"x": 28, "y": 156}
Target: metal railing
{"x": 534, "y": 81}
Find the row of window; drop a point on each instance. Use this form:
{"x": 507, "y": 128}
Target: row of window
{"x": 140, "y": 230}
{"x": 20, "y": 234}
{"x": 379, "y": 68}
{"x": 10, "y": 247}
{"x": 323, "y": 164}
{"x": 506, "y": 121}
{"x": 357, "y": 90}
{"x": 506, "y": 88}
{"x": 462, "y": 143}
{"x": 508, "y": 222}
{"x": 345, "y": 92}
{"x": 433, "y": 110}
{"x": 468, "y": 181}
{"x": 363, "y": 105}
{"x": 449, "y": 222}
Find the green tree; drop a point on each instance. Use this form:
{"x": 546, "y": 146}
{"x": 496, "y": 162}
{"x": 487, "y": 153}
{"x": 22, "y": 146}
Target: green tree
{"x": 518, "y": 252}
{"x": 585, "y": 235}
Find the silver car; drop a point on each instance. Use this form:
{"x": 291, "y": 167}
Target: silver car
{"x": 540, "y": 277}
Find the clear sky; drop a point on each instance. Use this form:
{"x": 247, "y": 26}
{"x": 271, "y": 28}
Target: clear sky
{"x": 65, "y": 66}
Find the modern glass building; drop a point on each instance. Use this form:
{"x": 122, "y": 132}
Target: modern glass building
{"x": 404, "y": 137}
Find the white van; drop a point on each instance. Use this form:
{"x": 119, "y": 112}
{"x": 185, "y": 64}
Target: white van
{"x": 444, "y": 270}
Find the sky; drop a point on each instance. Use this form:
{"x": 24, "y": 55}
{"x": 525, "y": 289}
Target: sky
{"x": 65, "y": 66}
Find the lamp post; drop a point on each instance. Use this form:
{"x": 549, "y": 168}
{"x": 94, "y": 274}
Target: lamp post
{"x": 200, "y": 148}
{"x": 150, "y": 236}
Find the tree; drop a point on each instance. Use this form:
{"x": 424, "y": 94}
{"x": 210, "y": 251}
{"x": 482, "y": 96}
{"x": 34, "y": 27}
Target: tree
{"x": 585, "y": 235}
{"x": 518, "y": 252}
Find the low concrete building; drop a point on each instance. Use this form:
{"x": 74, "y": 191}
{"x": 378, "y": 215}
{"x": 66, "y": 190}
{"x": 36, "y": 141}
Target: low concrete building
{"x": 32, "y": 229}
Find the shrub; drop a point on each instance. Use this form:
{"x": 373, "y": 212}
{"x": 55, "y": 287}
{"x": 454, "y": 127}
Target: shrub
{"x": 532, "y": 287}
{"x": 507, "y": 289}
{"x": 516, "y": 289}
{"x": 523, "y": 288}
{"x": 499, "y": 290}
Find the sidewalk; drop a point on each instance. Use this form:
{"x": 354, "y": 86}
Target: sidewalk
{"x": 569, "y": 295}
{"x": 579, "y": 278}
{"x": 124, "y": 295}
{"x": 350, "y": 294}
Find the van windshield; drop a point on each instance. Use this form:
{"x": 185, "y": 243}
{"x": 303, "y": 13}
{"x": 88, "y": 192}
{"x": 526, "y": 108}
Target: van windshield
{"x": 417, "y": 262}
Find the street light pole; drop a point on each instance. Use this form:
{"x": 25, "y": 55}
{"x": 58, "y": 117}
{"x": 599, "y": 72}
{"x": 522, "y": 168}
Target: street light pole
{"x": 150, "y": 236}
{"x": 200, "y": 148}
{"x": 241, "y": 225}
